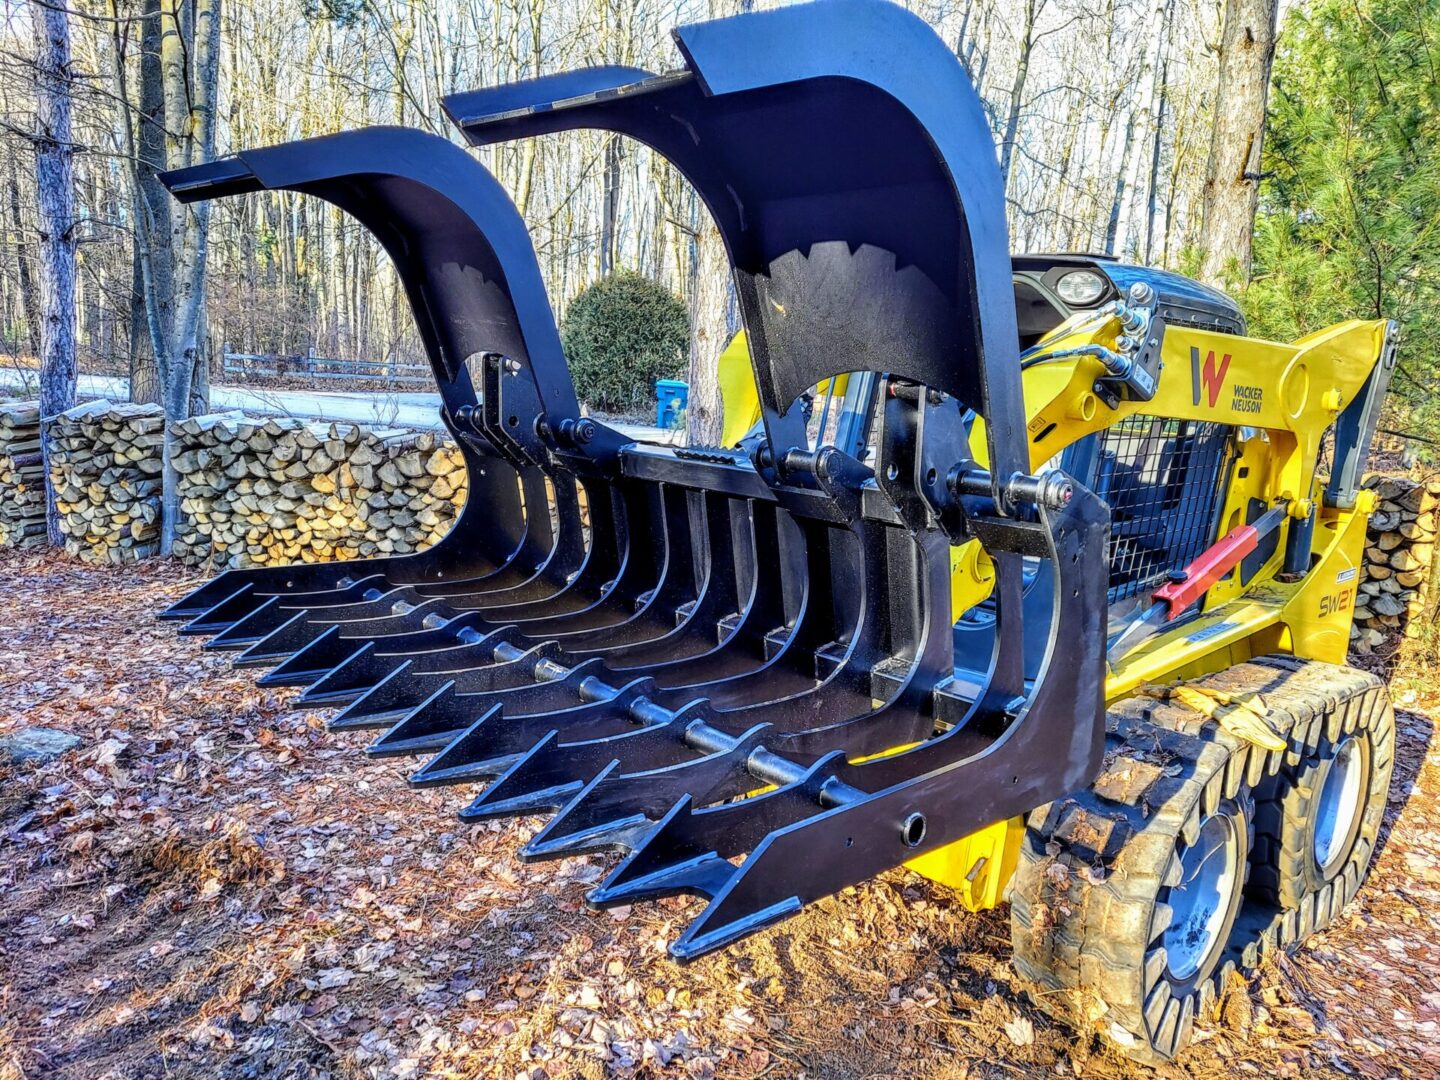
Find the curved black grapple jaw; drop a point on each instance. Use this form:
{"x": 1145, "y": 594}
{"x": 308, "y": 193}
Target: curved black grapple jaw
{"x": 688, "y": 656}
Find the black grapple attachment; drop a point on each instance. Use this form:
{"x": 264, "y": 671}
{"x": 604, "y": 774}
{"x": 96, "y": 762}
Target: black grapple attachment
{"x": 737, "y": 667}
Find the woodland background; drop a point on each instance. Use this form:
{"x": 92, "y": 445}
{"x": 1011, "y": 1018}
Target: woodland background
{"x": 1133, "y": 127}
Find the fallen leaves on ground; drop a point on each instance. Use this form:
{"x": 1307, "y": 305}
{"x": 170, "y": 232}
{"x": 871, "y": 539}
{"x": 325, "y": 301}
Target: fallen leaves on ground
{"x": 213, "y": 886}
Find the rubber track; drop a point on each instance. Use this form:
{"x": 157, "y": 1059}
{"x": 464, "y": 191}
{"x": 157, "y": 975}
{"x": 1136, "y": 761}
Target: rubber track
{"x": 1092, "y": 864}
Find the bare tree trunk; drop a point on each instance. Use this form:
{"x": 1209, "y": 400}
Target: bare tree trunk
{"x": 1152, "y": 186}
{"x": 181, "y": 41}
{"x": 1112, "y": 223}
{"x": 610, "y": 211}
{"x": 29, "y": 296}
{"x": 709, "y": 329}
{"x": 144, "y": 378}
{"x": 55, "y": 188}
{"x": 1017, "y": 90}
{"x": 1232, "y": 175}
{"x": 152, "y": 235}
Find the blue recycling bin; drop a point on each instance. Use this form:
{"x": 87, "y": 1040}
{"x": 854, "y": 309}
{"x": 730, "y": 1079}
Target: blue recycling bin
{"x": 671, "y": 397}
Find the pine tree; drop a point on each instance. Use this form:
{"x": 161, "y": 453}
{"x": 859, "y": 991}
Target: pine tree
{"x": 1349, "y": 222}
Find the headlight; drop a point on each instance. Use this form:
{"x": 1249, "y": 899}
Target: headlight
{"x": 1080, "y": 287}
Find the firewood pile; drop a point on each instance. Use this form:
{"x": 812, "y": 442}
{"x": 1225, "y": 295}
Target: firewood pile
{"x": 22, "y": 475}
{"x": 1398, "y": 555}
{"x": 105, "y": 465}
{"x": 258, "y": 492}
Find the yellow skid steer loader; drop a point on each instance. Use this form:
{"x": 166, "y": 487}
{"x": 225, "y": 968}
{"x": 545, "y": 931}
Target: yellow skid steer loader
{"x": 1023, "y": 572}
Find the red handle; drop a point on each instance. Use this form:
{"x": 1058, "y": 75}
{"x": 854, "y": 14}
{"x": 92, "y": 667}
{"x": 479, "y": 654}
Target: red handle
{"x": 1208, "y": 568}
{"x": 1216, "y": 561}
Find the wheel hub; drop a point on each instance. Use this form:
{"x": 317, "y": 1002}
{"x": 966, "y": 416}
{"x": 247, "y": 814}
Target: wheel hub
{"x": 1339, "y": 804}
{"x": 1202, "y": 901}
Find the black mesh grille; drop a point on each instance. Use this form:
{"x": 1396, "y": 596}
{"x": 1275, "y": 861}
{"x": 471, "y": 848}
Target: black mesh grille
{"x": 1162, "y": 480}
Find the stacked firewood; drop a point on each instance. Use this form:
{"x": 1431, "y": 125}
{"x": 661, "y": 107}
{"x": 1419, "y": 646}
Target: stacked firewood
{"x": 105, "y": 465}
{"x": 260, "y": 492}
{"x": 1399, "y": 552}
{"x": 22, "y": 475}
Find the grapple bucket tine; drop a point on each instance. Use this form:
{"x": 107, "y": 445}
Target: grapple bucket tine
{"x": 703, "y": 837}
{"x": 466, "y": 628}
{"x": 294, "y": 629}
{"x": 204, "y": 597}
{"x": 312, "y": 661}
{"x": 377, "y": 707}
{"x": 404, "y": 688}
{"x": 517, "y": 733}
{"x": 276, "y": 610}
{"x": 235, "y": 605}
{"x": 378, "y": 660}
{"x": 450, "y": 716}
{"x": 250, "y": 628}
{"x": 689, "y": 869}
{"x": 546, "y": 765}
{"x": 616, "y": 807}
{"x": 522, "y": 787}
{"x": 353, "y": 677}
{"x": 302, "y": 629}
{"x": 458, "y": 762}
{"x": 569, "y": 833}
{"x": 550, "y": 773}
{"x": 447, "y": 716}
{"x": 379, "y": 657}
{"x": 286, "y": 581}
{"x": 424, "y": 730}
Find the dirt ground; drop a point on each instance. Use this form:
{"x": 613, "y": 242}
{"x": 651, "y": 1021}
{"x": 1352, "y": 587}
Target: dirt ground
{"x": 213, "y": 886}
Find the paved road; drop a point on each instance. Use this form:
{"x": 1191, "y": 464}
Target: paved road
{"x": 401, "y": 409}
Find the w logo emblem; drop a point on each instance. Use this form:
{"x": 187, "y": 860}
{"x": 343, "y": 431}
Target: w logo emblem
{"x": 1209, "y": 376}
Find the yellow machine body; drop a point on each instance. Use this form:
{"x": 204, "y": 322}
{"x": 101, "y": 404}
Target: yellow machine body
{"x": 1281, "y": 399}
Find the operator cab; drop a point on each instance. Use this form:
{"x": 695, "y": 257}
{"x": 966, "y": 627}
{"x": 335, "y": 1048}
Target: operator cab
{"x": 1051, "y": 288}
{"x": 1162, "y": 478}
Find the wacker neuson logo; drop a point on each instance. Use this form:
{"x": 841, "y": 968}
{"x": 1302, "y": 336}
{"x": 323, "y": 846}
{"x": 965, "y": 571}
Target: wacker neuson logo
{"x": 1207, "y": 381}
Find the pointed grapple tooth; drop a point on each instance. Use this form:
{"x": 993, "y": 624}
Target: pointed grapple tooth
{"x": 441, "y": 717}
{"x": 516, "y": 734}
{"x": 307, "y": 625}
{"x": 454, "y": 636}
{"x": 549, "y": 763}
{"x": 458, "y": 763}
{"x": 312, "y": 662}
{"x": 550, "y": 773}
{"x": 664, "y": 863}
{"x": 710, "y": 930}
{"x": 571, "y": 832}
{"x": 686, "y": 852}
{"x": 250, "y": 628}
{"x": 428, "y": 727}
{"x": 618, "y": 806}
{"x": 378, "y": 707}
{"x": 475, "y": 749}
{"x": 201, "y": 599}
{"x": 526, "y": 787}
{"x": 348, "y": 679}
{"x": 374, "y": 695}
{"x": 225, "y": 611}
{"x": 282, "y": 643}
